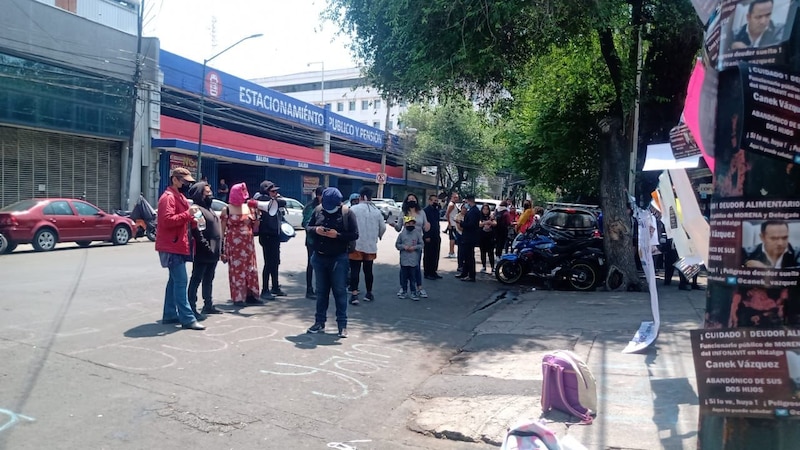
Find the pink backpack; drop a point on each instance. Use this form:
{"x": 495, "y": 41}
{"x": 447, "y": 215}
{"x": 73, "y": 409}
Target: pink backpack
{"x": 568, "y": 385}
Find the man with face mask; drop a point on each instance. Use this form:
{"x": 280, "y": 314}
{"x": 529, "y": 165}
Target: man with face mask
{"x": 432, "y": 240}
{"x": 175, "y": 218}
{"x": 207, "y": 245}
{"x": 334, "y": 228}
{"x": 270, "y": 204}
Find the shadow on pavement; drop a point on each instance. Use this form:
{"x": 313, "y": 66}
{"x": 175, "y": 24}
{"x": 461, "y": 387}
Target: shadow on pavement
{"x": 152, "y": 330}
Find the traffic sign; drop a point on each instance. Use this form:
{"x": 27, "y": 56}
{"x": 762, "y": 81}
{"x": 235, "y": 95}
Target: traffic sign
{"x": 380, "y": 178}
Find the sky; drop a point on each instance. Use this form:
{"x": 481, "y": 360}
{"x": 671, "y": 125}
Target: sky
{"x": 294, "y": 35}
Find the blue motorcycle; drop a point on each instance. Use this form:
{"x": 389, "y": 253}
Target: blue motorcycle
{"x": 577, "y": 262}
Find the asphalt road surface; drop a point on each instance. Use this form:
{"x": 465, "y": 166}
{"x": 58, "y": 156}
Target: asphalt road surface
{"x": 86, "y": 363}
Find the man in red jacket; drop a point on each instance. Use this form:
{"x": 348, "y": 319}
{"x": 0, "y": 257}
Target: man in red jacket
{"x": 172, "y": 244}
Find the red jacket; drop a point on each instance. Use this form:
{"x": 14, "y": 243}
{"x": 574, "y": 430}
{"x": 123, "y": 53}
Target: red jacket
{"x": 172, "y": 231}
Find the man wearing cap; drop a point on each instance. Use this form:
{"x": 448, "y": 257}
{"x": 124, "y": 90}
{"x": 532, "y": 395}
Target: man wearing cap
{"x": 470, "y": 238}
{"x": 333, "y": 227}
{"x": 269, "y": 237}
{"x": 175, "y": 217}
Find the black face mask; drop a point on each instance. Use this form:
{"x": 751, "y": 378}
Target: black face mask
{"x": 412, "y": 205}
{"x": 411, "y": 228}
{"x": 207, "y": 201}
{"x": 185, "y": 187}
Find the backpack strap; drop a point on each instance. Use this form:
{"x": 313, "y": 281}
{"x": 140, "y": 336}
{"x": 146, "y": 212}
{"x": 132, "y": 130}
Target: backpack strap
{"x": 586, "y": 419}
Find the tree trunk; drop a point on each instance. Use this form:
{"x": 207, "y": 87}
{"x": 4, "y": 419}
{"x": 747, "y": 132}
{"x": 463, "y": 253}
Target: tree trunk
{"x": 617, "y": 237}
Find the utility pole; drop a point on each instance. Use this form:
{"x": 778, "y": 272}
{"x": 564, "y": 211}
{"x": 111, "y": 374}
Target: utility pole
{"x": 137, "y": 76}
{"x": 386, "y": 144}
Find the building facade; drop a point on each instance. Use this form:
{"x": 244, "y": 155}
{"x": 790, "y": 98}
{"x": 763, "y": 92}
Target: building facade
{"x": 68, "y": 89}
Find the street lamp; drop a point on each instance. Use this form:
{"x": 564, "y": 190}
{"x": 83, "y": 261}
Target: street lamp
{"x": 322, "y": 86}
{"x": 203, "y": 98}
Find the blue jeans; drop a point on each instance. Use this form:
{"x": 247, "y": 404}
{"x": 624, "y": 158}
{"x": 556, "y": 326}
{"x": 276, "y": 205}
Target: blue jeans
{"x": 176, "y": 301}
{"x": 331, "y": 275}
{"x": 409, "y": 278}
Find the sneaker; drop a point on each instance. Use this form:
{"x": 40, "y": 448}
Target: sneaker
{"x": 199, "y": 316}
{"x": 277, "y": 292}
{"x": 368, "y": 297}
{"x": 484, "y": 269}
{"x": 266, "y": 296}
{"x": 423, "y": 293}
{"x": 311, "y": 295}
{"x": 414, "y": 296}
{"x": 451, "y": 255}
{"x": 342, "y": 332}
{"x": 401, "y": 294}
{"x": 354, "y": 299}
{"x": 316, "y": 328}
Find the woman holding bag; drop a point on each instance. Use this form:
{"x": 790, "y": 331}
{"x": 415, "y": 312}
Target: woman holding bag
{"x": 239, "y": 249}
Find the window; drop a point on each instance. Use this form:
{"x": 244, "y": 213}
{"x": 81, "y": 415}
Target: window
{"x": 60, "y": 208}
{"x": 339, "y": 107}
{"x": 389, "y": 125}
{"x": 376, "y": 124}
{"x": 85, "y": 209}
{"x": 364, "y": 104}
{"x": 351, "y": 106}
{"x": 377, "y": 104}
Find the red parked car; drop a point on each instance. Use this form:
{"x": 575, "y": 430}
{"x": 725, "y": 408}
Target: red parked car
{"x": 43, "y": 222}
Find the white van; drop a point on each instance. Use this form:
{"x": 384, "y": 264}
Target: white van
{"x": 489, "y": 201}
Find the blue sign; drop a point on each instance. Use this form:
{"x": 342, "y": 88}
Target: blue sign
{"x": 350, "y": 129}
{"x": 185, "y": 74}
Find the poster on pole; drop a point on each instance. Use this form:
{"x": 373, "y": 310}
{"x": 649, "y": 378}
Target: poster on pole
{"x": 648, "y": 236}
{"x": 747, "y": 372}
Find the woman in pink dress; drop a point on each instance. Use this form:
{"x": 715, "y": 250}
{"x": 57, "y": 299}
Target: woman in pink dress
{"x": 238, "y": 249}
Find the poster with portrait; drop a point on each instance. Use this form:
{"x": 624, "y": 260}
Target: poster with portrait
{"x": 756, "y": 32}
{"x": 755, "y": 243}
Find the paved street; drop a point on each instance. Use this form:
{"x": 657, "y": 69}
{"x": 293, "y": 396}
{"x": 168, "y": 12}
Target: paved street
{"x": 86, "y": 365}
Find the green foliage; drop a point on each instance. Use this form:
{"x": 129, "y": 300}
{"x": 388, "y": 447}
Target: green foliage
{"x": 553, "y": 133}
{"x": 454, "y": 137}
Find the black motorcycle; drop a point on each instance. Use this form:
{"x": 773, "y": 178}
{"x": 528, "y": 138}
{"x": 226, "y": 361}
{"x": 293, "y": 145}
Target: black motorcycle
{"x": 144, "y": 216}
{"x": 578, "y": 262}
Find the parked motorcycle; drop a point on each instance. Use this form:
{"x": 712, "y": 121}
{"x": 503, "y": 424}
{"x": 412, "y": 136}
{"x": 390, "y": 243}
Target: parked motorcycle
{"x": 145, "y": 218}
{"x": 578, "y": 262}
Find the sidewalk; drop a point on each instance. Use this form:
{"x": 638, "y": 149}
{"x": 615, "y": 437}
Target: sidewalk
{"x": 646, "y": 401}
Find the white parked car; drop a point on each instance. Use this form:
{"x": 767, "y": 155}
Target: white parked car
{"x": 216, "y": 205}
{"x": 391, "y": 210}
{"x": 294, "y": 212}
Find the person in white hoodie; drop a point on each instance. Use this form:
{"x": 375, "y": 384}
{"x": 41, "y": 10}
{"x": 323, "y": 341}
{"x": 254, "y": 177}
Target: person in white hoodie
{"x": 371, "y": 226}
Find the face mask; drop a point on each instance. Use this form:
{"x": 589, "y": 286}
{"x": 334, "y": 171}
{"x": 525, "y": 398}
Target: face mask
{"x": 207, "y": 201}
{"x": 185, "y": 187}
{"x": 412, "y": 205}
{"x": 410, "y": 228}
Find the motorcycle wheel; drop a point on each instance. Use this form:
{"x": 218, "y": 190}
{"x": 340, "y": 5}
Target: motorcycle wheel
{"x": 583, "y": 275}
{"x": 508, "y": 272}
{"x": 151, "y": 234}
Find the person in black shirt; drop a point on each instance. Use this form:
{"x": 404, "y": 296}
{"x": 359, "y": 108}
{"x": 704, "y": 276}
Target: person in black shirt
{"x": 432, "y": 240}
{"x": 269, "y": 230}
{"x": 470, "y": 238}
{"x": 334, "y": 228}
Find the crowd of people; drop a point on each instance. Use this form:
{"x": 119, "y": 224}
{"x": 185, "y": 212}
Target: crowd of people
{"x": 341, "y": 243}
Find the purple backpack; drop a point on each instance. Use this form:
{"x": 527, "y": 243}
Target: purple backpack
{"x": 568, "y": 385}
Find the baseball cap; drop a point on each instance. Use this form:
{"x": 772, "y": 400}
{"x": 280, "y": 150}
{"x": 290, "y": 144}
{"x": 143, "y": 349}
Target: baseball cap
{"x": 354, "y": 196}
{"x": 408, "y": 219}
{"x": 267, "y": 186}
{"x": 182, "y": 173}
{"x": 331, "y": 200}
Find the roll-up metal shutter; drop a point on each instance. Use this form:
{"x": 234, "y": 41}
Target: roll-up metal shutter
{"x": 37, "y": 164}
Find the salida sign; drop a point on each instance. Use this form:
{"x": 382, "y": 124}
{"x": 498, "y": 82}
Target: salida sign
{"x": 748, "y": 372}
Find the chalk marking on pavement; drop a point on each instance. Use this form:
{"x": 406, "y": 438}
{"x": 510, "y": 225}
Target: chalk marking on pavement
{"x": 13, "y": 418}
{"x": 223, "y": 346}
{"x": 429, "y": 323}
{"x": 339, "y": 361}
{"x": 145, "y": 369}
{"x": 345, "y": 445}
{"x": 78, "y": 332}
{"x": 270, "y": 332}
{"x": 314, "y": 370}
